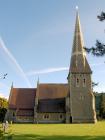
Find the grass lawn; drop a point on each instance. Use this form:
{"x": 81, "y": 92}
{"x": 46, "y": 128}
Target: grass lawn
{"x": 59, "y": 131}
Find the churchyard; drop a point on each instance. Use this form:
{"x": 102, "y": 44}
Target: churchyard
{"x": 56, "y": 131}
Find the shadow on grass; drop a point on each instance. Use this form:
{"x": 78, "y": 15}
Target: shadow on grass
{"x": 38, "y": 137}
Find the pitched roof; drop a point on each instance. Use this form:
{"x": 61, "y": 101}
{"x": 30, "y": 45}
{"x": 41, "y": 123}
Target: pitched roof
{"x": 79, "y": 68}
{"x": 51, "y": 105}
{"x": 24, "y": 98}
{"x": 52, "y": 91}
{"x": 21, "y": 98}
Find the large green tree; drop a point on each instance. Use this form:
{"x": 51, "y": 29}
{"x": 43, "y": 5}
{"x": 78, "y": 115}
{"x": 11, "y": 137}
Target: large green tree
{"x": 3, "y": 102}
{"x": 3, "y": 108}
{"x": 99, "y": 49}
{"x": 102, "y": 106}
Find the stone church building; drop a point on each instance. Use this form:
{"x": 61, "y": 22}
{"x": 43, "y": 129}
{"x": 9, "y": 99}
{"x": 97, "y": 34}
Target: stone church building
{"x": 72, "y": 102}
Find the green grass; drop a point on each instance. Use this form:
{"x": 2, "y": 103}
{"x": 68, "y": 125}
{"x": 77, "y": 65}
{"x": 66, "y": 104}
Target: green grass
{"x": 59, "y": 131}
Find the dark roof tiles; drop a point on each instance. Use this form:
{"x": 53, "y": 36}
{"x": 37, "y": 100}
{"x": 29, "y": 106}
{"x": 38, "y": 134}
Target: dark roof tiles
{"x": 22, "y": 98}
{"x": 52, "y": 105}
{"x": 52, "y": 91}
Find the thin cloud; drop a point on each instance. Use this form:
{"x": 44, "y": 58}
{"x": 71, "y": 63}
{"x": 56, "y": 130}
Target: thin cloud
{"x": 98, "y": 64}
{"x": 52, "y": 70}
{"x": 14, "y": 61}
{"x": 46, "y": 71}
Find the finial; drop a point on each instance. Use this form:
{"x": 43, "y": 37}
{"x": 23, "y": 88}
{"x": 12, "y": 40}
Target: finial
{"x": 77, "y": 8}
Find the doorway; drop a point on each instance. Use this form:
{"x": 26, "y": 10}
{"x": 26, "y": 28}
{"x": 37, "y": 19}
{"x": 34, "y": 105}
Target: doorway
{"x": 70, "y": 119}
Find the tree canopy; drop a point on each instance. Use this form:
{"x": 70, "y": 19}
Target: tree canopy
{"x": 99, "y": 49}
{"x": 3, "y": 103}
{"x": 3, "y": 108}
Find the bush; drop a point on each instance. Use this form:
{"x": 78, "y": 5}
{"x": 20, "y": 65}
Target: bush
{"x": 1, "y": 135}
{"x": 2, "y": 114}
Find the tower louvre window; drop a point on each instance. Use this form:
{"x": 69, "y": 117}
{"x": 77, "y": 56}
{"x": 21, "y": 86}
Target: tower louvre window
{"x": 84, "y": 82}
{"x": 77, "y": 82}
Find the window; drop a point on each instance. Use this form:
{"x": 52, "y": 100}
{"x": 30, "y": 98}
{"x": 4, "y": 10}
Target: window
{"x": 13, "y": 114}
{"x": 77, "y": 82}
{"x": 61, "y": 116}
{"x": 81, "y": 97}
{"x": 84, "y": 82}
{"x": 46, "y": 116}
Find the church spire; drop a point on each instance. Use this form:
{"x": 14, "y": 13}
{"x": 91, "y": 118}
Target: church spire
{"x": 78, "y": 43}
{"x": 38, "y": 82}
{"x": 78, "y": 57}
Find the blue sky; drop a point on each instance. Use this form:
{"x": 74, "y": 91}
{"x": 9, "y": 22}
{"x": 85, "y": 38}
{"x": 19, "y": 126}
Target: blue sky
{"x": 36, "y": 39}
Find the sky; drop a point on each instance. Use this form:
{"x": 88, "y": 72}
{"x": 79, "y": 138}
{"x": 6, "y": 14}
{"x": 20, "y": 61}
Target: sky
{"x": 36, "y": 39}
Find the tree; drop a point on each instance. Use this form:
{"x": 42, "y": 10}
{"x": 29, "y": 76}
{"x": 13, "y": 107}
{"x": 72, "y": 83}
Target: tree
{"x": 3, "y": 103}
{"x": 3, "y": 108}
{"x": 102, "y": 106}
{"x": 99, "y": 50}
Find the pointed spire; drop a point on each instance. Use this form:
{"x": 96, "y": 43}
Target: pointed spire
{"x": 78, "y": 43}
{"x": 38, "y": 82}
{"x": 10, "y": 92}
{"x": 12, "y": 85}
{"x": 37, "y": 93}
{"x": 78, "y": 56}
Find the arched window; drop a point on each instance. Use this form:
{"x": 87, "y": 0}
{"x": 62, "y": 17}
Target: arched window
{"x": 81, "y": 97}
{"x": 77, "y": 82}
{"x": 84, "y": 82}
{"x": 13, "y": 114}
{"x": 46, "y": 116}
{"x": 61, "y": 116}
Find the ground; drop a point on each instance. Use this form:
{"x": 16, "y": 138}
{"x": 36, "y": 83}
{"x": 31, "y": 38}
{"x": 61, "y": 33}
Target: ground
{"x": 58, "y": 131}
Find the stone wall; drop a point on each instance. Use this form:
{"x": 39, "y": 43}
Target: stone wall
{"x": 24, "y": 119}
{"x": 20, "y": 116}
{"x": 81, "y": 99}
{"x": 51, "y": 118}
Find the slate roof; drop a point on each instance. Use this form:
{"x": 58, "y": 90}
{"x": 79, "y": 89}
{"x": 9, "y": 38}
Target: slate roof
{"x": 52, "y": 105}
{"x": 79, "y": 63}
{"x": 52, "y": 91}
{"x": 22, "y": 98}
{"x": 51, "y": 98}
{"x": 79, "y": 68}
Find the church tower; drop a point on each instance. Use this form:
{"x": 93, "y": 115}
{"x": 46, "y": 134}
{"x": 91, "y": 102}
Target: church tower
{"x": 82, "y": 105}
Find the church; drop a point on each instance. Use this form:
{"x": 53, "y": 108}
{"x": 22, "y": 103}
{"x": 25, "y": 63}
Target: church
{"x": 71, "y": 102}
